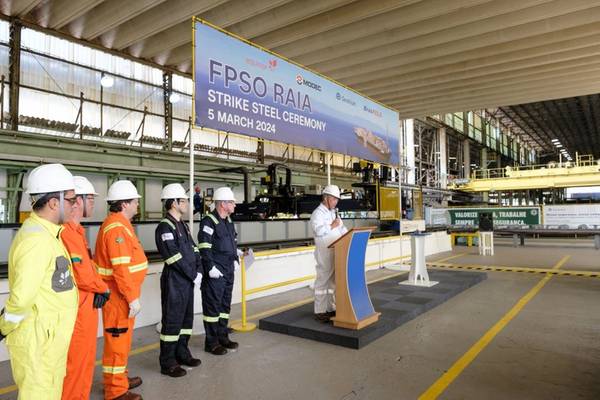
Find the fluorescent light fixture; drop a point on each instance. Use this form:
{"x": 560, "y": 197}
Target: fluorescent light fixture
{"x": 555, "y": 140}
{"x": 174, "y": 98}
{"x": 107, "y": 81}
{"x": 558, "y": 145}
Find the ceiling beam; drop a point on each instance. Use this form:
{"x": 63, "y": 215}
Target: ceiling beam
{"x": 17, "y": 8}
{"x": 109, "y": 15}
{"x": 493, "y": 82}
{"x": 578, "y": 58}
{"x": 223, "y": 16}
{"x": 498, "y": 90}
{"x": 553, "y": 90}
{"x": 537, "y": 45}
{"x": 156, "y": 20}
{"x": 573, "y": 113}
{"x": 530, "y": 24}
{"x": 61, "y": 12}
{"x": 529, "y": 131}
{"x": 366, "y": 19}
{"x": 405, "y": 34}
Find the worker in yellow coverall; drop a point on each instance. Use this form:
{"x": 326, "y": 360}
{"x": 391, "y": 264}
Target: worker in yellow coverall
{"x": 40, "y": 312}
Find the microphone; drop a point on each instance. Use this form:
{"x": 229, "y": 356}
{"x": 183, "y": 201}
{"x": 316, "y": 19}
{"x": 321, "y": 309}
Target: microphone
{"x": 337, "y": 213}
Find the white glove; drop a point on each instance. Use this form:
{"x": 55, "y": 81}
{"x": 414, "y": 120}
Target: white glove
{"x": 134, "y": 308}
{"x": 236, "y": 265}
{"x": 240, "y": 253}
{"x": 198, "y": 279}
{"x": 215, "y": 273}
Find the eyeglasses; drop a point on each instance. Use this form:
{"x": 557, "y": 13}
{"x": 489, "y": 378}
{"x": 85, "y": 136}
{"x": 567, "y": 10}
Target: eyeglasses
{"x": 71, "y": 200}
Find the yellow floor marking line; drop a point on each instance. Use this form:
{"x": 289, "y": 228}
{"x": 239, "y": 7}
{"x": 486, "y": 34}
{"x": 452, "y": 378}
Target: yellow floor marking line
{"x": 463, "y": 362}
{"x": 154, "y": 346}
{"x": 529, "y": 270}
{"x": 451, "y": 257}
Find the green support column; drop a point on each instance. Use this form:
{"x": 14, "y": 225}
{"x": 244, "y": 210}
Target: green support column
{"x": 140, "y": 185}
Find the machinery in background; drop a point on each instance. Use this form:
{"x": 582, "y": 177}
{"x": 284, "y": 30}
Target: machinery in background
{"x": 376, "y": 195}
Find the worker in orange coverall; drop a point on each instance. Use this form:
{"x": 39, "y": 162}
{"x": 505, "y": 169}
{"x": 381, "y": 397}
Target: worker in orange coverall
{"x": 93, "y": 293}
{"x": 121, "y": 262}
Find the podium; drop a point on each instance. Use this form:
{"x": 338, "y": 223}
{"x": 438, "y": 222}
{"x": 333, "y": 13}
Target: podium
{"x": 354, "y": 309}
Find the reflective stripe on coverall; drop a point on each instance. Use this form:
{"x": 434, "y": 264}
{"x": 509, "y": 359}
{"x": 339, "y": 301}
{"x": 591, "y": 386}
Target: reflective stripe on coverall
{"x": 182, "y": 264}
{"x": 40, "y": 311}
{"x": 320, "y": 222}
{"x": 82, "y": 351}
{"x": 122, "y": 264}
{"x": 217, "y": 244}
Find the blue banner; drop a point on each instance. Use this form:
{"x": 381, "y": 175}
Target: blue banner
{"x": 242, "y": 89}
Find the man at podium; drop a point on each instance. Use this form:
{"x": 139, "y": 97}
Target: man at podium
{"x": 327, "y": 227}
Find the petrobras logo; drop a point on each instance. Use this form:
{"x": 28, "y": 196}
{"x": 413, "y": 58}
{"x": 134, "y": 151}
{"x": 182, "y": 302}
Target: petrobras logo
{"x": 303, "y": 82}
{"x": 373, "y": 111}
{"x": 271, "y": 65}
{"x": 344, "y": 99}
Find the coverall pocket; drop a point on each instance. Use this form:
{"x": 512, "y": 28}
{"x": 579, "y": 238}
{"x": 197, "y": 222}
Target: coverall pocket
{"x": 115, "y": 315}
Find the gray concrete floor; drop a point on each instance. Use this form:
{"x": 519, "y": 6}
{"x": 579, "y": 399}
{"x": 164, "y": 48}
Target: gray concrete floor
{"x": 550, "y": 350}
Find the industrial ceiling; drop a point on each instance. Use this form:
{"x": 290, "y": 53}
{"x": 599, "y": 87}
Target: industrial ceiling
{"x": 421, "y": 57}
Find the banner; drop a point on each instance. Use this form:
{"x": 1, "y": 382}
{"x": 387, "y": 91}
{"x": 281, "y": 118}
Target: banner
{"x": 573, "y": 215}
{"x": 502, "y": 216}
{"x": 242, "y": 89}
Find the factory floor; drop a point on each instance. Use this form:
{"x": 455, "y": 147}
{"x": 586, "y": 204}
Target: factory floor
{"x": 516, "y": 335}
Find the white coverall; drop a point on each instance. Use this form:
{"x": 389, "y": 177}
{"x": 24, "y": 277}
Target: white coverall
{"x": 320, "y": 222}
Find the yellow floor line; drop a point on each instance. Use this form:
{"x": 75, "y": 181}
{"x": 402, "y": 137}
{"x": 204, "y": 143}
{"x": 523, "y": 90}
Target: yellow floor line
{"x": 154, "y": 346}
{"x": 445, "y": 380}
{"x": 450, "y": 257}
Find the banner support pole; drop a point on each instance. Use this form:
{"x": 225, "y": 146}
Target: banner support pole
{"x": 191, "y": 177}
{"x": 329, "y": 168}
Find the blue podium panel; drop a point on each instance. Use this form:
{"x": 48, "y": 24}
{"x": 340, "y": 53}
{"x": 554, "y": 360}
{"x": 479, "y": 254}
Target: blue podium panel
{"x": 357, "y": 285}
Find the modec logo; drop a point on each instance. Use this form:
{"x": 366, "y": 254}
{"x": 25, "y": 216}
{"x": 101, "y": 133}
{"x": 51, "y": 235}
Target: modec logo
{"x": 301, "y": 81}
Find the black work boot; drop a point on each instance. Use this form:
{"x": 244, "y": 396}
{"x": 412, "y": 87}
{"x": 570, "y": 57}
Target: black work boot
{"x": 190, "y": 362}
{"x": 228, "y": 344}
{"x": 174, "y": 372}
{"x": 215, "y": 349}
{"x": 322, "y": 317}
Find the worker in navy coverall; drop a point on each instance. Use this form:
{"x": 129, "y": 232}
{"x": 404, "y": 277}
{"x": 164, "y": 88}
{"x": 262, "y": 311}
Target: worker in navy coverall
{"x": 218, "y": 248}
{"x": 181, "y": 271}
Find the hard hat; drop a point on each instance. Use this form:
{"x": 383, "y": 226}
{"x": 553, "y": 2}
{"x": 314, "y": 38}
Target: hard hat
{"x": 332, "y": 190}
{"x": 122, "y": 190}
{"x": 173, "y": 191}
{"x": 49, "y": 178}
{"x": 83, "y": 186}
{"x": 223, "y": 194}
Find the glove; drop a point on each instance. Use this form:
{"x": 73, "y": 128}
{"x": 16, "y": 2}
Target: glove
{"x": 134, "y": 308}
{"x": 236, "y": 265}
{"x": 198, "y": 279}
{"x": 215, "y": 273}
{"x": 100, "y": 299}
{"x": 240, "y": 253}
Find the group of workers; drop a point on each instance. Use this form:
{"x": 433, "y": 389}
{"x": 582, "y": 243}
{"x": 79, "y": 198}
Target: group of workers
{"x": 50, "y": 319}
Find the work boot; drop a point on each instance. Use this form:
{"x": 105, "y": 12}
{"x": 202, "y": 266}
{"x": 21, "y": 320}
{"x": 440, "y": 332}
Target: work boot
{"x": 190, "y": 362}
{"x": 228, "y": 344}
{"x": 174, "y": 372}
{"x": 134, "y": 382}
{"x": 322, "y": 317}
{"x": 129, "y": 396}
{"x": 216, "y": 349}
{"x": 330, "y": 314}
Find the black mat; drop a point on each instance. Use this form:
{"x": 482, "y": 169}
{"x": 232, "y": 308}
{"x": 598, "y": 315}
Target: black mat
{"x": 397, "y": 304}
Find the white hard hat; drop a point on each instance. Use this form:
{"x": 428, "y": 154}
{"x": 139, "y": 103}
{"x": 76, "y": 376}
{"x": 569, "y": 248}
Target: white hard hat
{"x": 332, "y": 190}
{"x": 224, "y": 194}
{"x": 49, "y": 178}
{"x": 83, "y": 186}
{"x": 122, "y": 190}
{"x": 173, "y": 191}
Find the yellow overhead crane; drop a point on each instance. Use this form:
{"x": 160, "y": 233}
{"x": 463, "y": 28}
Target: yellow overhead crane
{"x": 584, "y": 171}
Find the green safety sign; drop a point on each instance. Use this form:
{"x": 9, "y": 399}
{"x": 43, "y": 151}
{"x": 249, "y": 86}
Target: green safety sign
{"x": 502, "y": 216}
